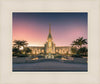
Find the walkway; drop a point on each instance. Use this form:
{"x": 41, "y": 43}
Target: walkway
{"x": 49, "y": 66}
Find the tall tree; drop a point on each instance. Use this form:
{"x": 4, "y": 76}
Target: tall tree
{"x": 79, "y": 42}
{"x": 18, "y": 44}
{"x": 24, "y": 43}
{"x": 27, "y": 50}
{"x": 20, "y": 47}
{"x": 15, "y": 51}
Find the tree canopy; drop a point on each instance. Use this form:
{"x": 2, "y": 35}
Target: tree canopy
{"x": 79, "y": 42}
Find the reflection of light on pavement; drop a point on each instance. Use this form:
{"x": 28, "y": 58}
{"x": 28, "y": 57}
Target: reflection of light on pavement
{"x": 34, "y": 58}
{"x": 63, "y": 59}
{"x": 69, "y": 58}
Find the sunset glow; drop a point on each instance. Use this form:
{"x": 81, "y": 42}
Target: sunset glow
{"x": 34, "y": 27}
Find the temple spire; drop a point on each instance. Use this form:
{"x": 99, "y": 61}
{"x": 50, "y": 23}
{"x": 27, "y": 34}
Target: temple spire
{"x": 49, "y": 36}
{"x": 49, "y": 28}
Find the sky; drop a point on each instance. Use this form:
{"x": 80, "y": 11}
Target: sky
{"x": 34, "y": 27}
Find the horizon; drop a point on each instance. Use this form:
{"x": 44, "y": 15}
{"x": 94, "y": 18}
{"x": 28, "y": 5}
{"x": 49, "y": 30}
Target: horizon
{"x": 34, "y": 27}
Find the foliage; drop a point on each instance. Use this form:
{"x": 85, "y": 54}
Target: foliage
{"x": 82, "y": 51}
{"x": 22, "y": 55}
{"x": 79, "y": 42}
{"x": 18, "y": 43}
{"x": 59, "y": 56}
{"x": 77, "y": 55}
{"x": 74, "y": 50}
{"x": 67, "y": 53}
{"x": 17, "y": 48}
{"x": 40, "y": 56}
{"x": 27, "y": 50}
{"x": 77, "y": 47}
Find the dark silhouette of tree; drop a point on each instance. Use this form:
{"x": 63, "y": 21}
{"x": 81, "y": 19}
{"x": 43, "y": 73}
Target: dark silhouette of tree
{"x": 18, "y": 44}
{"x": 82, "y": 51}
{"x": 16, "y": 51}
{"x": 24, "y": 43}
{"x": 74, "y": 50}
{"x": 79, "y": 42}
{"x": 27, "y": 50}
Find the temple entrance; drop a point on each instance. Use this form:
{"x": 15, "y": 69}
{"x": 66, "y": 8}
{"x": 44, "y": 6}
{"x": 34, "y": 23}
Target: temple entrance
{"x": 49, "y": 56}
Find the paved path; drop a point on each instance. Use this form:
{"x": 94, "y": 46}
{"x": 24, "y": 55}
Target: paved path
{"x": 49, "y": 66}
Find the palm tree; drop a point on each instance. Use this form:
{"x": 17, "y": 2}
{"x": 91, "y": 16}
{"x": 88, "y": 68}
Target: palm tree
{"x": 79, "y": 42}
{"x": 24, "y": 43}
{"x": 18, "y": 44}
{"x": 27, "y": 50}
{"x": 15, "y": 51}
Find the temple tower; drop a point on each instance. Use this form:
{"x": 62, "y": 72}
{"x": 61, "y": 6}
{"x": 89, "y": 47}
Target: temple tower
{"x": 50, "y": 46}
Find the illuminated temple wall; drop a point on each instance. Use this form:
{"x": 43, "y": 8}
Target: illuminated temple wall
{"x": 60, "y": 50}
{"x": 63, "y": 50}
{"x": 37, "y": 50}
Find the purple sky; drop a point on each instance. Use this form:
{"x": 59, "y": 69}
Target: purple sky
{"x": 34, "y": 27}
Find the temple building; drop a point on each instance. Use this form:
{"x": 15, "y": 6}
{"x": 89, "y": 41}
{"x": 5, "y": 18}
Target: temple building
{"x": 50, "y": 47}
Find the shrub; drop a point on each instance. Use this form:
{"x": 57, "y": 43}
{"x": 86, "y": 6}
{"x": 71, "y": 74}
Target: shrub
{"x": 77, "y": 55}
{"x": 82, "y": 51}
{"x": 22, "y": 55}
{"x": 58, "y": 57}
{"x": 74, "y": 50}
